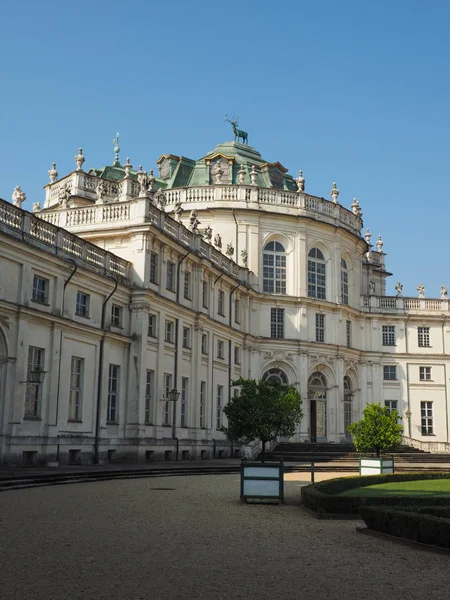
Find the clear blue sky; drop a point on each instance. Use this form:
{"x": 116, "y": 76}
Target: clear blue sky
{"x": 352, "y": 91}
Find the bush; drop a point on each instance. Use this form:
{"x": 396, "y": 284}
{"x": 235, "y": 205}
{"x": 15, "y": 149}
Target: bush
{"x": 322, "y": 497}
{"x": 414, "y": 526}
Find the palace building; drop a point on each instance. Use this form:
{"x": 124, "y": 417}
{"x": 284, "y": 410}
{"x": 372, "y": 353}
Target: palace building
{"x": 130, "y": 300}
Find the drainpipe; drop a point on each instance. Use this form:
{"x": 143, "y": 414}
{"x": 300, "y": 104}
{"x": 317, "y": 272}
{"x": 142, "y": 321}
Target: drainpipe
{"x": 175, "y": 366}
{"x": 229, "y": 350}
{"x": 75, "y": 268}
{"x": 100, "y": 372}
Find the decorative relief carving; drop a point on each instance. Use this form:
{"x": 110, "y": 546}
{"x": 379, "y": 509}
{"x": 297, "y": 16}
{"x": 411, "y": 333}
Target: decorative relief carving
{"x": 220, "y": 171}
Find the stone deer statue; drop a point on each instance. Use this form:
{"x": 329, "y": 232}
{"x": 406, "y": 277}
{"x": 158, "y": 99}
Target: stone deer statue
{"x": 238, "y": 133}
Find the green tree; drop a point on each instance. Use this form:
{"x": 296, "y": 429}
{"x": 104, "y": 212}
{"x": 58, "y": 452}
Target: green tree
{"x": 378, "y": 431}
{"x": 263, "y": 410}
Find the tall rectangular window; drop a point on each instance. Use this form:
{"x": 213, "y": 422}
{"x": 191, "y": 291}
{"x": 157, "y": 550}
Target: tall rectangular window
{"x": 149, "y": 392}
{"x": 187, "y": 285}
{"x": 116, "y": 316}
{"x": 390, "y": 372}
{"x": 170, "y": 332}
{"x": 33, "y": 391}
{"x": 204, "y": 343}
{"x": 202, "y": 404}
{"x": 82, "y": 304}
{"x": 388, "y": 333}
{"x": 205, "y": 294}
{"x": 237, "y": 355}
{"x": 220, "y": 349}
{"x": 237, "y": 311}
{"x": 426, "y": 411}
{"x": 320, "y": 327}
{"x": 152, "y": 326}
{"x": 40, "y": 289}
{"x": 221, "y": 303}
{"x": 348, "y": 333}
{"x": 219, "y": 406}
{"x": 186, "y": 337}
{"x": 167, "y": 382}
{"x": 170, "y": 276}
{"x": 277, "y": 322}
{"x": 76, "y": 388}
{"x": 425, "y": 373}
{"x": 423, "y": 335}
{"x": 113, "y": 394}
{"x": 154, "y": 261}
{"x": 184, "y": 401}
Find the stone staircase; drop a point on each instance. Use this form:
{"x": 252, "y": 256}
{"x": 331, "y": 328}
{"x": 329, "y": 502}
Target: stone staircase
{"x": 345, "y": 453}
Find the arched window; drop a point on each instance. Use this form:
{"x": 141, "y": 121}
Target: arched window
{"x": 348, "y": 395}
{"x": 317, "y": 395}
{"x": 274, "y": 268}
{"x": 276, "y": 375}
{"x": 344, "y": 282}
{"x": 316, "y": 274}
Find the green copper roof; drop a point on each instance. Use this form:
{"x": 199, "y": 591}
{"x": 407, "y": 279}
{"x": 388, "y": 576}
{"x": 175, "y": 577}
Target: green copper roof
{"x": 179, "y": 171}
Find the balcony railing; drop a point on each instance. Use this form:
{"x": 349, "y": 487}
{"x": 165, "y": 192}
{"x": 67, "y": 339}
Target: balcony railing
{"x": 47, "y": 236}
{"x": 399, "y": 304}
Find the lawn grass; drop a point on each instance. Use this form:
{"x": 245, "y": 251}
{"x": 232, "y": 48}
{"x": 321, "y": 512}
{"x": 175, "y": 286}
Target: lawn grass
{"x": 430, "y": 487}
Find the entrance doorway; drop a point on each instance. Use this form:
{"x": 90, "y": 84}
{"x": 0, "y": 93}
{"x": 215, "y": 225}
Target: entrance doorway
{"x": 317, "y": 395}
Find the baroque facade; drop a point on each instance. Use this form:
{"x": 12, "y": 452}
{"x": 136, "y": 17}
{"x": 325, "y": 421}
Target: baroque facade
{"x": 130, "y": 301}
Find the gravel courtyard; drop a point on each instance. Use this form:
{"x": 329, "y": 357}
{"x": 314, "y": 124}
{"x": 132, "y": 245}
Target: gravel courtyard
{"x": 129, "y": 540}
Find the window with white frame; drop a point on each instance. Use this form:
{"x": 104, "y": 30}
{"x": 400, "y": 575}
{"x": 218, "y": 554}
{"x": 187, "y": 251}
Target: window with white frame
{"x": 221, "y": 303}
{"x": 391, "y": 404}
{"x": 184, "y": 401}
{"x": 426, "y": 412}
{"x": 348, "y": 333}
{"x": 202, "y": 406}
{"x": 423, "y": 335}
{"x": 316, "y": 274}
{"x": 33, "y": 391}
{"x": 425, "y": 373}
{"x": 220, "y": 349}
{"x": 82, "y": 304}
{"x": 344, "y": 282}
{"x": 169, "y": 332}
{"x": 205, "y": 294}
{"x": 113, "y": 394}
{"x": 116, "y": 315}
{"x": 388, "y": 335}
{"x": 219, "y": 406}
{"x": 167, "y": 386}
{"x": 170, "y": 276}
{"x": 152, "y": 325}
{"x": 154, "y": 261}
{"x": 237, "y": 355}
{"x": 204, "y": 343}
{"x": 237, "y": 311}
{"x": 187, "y": 285}
{"x": 390, "y": 372}
{"x": 320, "y": 327}
{"x": 40, "y": 289}
{"x": 186, "y": 337}
{"x": 149, "y": 394}
{"x": 277, "y": 322}
{"x": 274, "y": 268}
{"x": 76, "y": 388}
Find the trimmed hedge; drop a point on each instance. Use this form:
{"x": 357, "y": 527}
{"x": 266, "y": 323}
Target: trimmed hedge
{"x": 416, "y": 526}
{"x": 322, "y": 497}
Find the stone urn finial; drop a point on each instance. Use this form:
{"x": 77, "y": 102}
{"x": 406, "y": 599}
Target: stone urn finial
{"x": 127, "y": 167}
{"x": 18, "y": 197}
{"x": 151, "y": 180}
{"x": 241, "y": 174}
{"x": 356, "y": 209}
{"x": 379, "y": 244}
{"x": 53, "y": 173}
{"x": 334, "y": 193}
{"x": 253, "y": 175}
{"x": 367, "y": 237}
{"x": 79, "y": 159}
{"x": 300, "y": 182}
